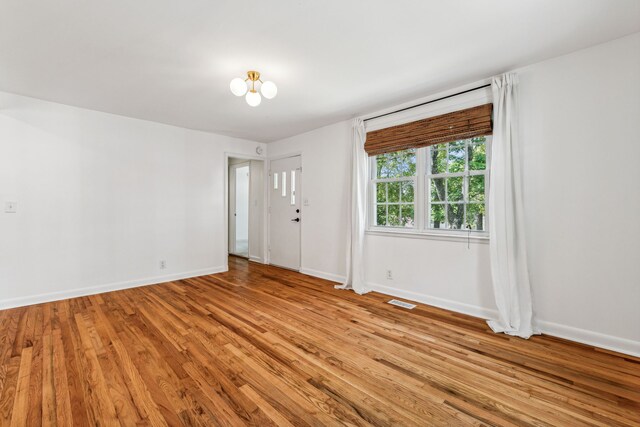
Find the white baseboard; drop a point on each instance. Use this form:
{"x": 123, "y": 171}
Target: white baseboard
{"x": 256, "y": 259}
{"x": 92, "y": 290}
{"x": 323, "y": 275}
{"x": 472, "y": 310}
{"x": 596, "y": 339}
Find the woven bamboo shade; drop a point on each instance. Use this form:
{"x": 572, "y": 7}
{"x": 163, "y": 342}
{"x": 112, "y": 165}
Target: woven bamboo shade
{"x": 468, "y": 123}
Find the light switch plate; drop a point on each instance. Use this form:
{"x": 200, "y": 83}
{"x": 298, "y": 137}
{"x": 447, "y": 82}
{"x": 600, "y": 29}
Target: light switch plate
{"x": 10, "y": 207}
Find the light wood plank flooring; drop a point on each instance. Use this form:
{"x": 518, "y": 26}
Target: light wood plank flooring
{"x": 264, "y": 346}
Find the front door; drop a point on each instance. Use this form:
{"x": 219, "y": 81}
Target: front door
{"x": 285, "y": 183}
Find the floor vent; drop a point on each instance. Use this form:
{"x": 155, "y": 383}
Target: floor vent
{"x": 402, "y": 304}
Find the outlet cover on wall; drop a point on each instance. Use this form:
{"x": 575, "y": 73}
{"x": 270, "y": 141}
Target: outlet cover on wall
{"x": 10, "y": 207}
{"x": 163, "y": 265}
{"x": 389, "y": 275}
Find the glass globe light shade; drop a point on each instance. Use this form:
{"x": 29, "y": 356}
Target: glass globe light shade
{"x": 269, "y": 90}
{"x": 253, "y": 98}
{"x": 238, "y": 86}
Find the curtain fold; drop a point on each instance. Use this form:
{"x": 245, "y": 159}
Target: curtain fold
{"x": 509, "y": 269}
{"x": 355, "y": 279}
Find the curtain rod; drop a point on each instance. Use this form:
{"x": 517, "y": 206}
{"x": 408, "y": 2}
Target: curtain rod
{"x": 428, "y": 102}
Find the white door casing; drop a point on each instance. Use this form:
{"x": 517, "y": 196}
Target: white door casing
{"x": 285, "y": 212}
{"x": 239, "y": 209}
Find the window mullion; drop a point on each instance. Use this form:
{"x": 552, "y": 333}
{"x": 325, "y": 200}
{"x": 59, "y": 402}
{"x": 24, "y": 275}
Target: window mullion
{"x": 418, "y": 194}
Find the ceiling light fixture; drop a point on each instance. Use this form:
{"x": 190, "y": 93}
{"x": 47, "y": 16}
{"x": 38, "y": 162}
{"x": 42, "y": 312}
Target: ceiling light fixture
{"x": 241, "y": 86}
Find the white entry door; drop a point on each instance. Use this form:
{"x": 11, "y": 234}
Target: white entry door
{"x": 285, "y": 183}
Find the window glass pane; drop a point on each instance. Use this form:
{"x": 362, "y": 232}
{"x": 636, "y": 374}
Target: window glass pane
{"x": 436, "y": 218}
{"x": 476, "y": 188}
{"x": 438, "y": 159}
{"x": 454, "y": 189}
{"x": 396, "y": 165}
{"x": 284, "y": 184}
{"x": 455, "y": 216}
{"x": 476, "y": 216}
{"x": 478, "y": 155}
{"x": 381, "y": 215}
{"x": 293, "y": 188}
{"x": 407, "y": 191}
{"x": 407, "y": 215}
{"x": 456, "y": 156}
{"x": 437, "y": 190}
{"x": 393, "y": 216}
{"x": 275, "y": 181}
{"x": 393, "y": 192}
{"x": 381, "y": 192}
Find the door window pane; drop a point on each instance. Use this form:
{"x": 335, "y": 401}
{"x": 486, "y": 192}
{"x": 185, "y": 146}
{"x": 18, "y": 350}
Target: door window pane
{"x": 293, "y": 187}
{"x": 284, "y": 184}
{"x": 275, "y": 181}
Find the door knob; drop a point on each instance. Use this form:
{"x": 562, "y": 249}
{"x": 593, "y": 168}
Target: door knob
{"x": 296, "y": 219}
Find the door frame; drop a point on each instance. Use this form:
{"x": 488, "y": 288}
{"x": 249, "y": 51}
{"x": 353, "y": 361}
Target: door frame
{"x": 265, "y": 177}
{"x": 232, "y": 198}
{"x": 268, "y": 204}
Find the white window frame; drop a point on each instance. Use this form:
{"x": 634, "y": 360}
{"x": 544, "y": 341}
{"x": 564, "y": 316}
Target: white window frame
{"x": 422, "y": 202}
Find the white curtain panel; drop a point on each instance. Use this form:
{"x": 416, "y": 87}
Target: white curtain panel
{"x": 509, "y": 270}
{"x": 355, "y": 237}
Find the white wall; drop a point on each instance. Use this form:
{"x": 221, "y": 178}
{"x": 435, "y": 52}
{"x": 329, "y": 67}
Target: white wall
{"x": 325, "y": 192}
{"x": 103, "y": 198}
{"x": 580, "y": 126}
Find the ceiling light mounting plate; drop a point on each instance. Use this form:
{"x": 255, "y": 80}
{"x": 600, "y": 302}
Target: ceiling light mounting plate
{"x": 254, "y": 76}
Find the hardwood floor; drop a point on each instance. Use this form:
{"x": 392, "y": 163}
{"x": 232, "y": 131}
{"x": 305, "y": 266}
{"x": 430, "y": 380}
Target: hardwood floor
{"x": 264, "y": 346}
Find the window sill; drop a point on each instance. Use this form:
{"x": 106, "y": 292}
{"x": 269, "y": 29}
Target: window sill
{"x": 430, "y": 235}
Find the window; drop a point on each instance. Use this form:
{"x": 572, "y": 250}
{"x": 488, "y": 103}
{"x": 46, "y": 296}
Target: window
{"x": 394, "y": 184}
{"x": 440, "y": 187}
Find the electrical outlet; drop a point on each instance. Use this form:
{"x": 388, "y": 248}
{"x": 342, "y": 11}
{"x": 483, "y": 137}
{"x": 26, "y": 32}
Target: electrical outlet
{"x": 10, "y": 207}
{"x": 163, "y": 265}
{"x": 389, "y": 275}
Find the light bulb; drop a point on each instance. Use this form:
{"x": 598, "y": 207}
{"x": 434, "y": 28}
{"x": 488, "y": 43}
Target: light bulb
{"x": 269, "y": 90}
{"x": 253, "y": 98}
{"x": 238, "y": 86}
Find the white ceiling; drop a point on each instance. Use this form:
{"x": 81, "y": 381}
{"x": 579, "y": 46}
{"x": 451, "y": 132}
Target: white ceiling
{"x": 171, "y": 61}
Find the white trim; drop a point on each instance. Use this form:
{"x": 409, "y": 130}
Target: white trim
{"x": 265, "y": 175}
{"x": 458, "y": 102}
{"x": 621, "y": 345}
{"x": 430, "y": 235}
{"x": 256, "y": 259}
{"x": 472, "y": 310}
{"x": 583, "y": 336}
{"x": 109, "y": 287}
{"x": 323, "y": 275}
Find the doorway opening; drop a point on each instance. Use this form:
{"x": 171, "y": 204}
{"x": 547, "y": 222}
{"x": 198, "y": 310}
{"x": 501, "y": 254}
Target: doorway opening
{"x": 245, "y": 204}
